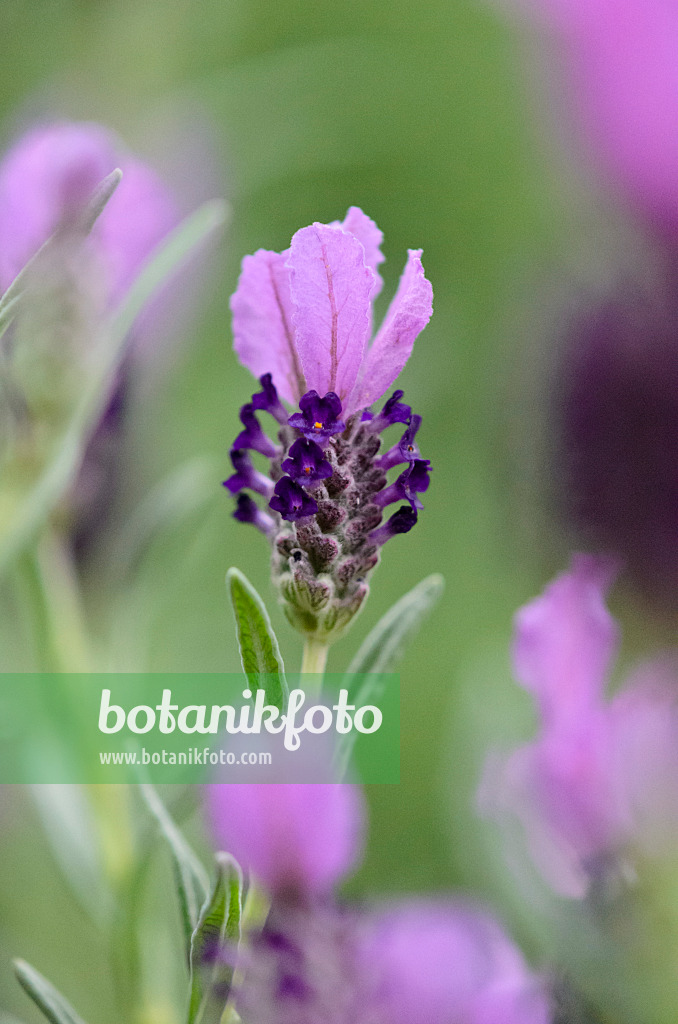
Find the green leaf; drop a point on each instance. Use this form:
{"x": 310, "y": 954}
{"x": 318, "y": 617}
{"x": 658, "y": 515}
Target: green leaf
{"x": 45, "y": 996}
{"x": 191, "y": 877}
{"x": 26, "y": 503}
{"x": 382, "y": 648}
{"x": 218, "y": 927}
{"x": 98, "y": 201}
{"x": 259, "y": 651}
{"x": 8, "y": 311}
{"x": 385, "y": 644}
{"x": 167, "y": 259}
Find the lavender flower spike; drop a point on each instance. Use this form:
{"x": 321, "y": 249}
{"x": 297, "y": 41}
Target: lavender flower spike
{"x": 302, "y": 320}
{"x": 563, "y": 786}
{"x": 46, "y": 179}
{"x": 305, "y": 315}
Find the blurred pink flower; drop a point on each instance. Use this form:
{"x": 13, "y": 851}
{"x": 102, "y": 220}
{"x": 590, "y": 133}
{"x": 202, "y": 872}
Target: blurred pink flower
{"x": 623, "y": 69}
{"x": 303, "y": 837}
{"x": 601, "y": 779}
{"x": 450, "y": 963}
{"x": 51, "y": 172}
{"x": 313, "y": 960}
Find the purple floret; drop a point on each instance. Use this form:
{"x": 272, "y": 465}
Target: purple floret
{"x": 319, "y": 417}
{"x": 306, "y": 463}
{"x": 292, "y": 501}
{"x": 253, "y": 436}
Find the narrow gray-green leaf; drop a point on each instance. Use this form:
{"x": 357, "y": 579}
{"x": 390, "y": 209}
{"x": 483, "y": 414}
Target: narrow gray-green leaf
{"x": 382, "y": 648}
{"x": 99, "y": 200}
{"x": 167, "y": 259}
{"x": 7, "y": 313}
{"x": 57, "y": 1009}
{"x": 191, "y": 877}
{"x": 259, "y": 651}
{"x": 217, "y": 931}
{"x": 385, "y": 644}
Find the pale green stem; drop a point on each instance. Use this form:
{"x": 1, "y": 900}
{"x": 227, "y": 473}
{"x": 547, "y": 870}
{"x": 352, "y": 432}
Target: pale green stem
{"x": 313, "y": 664}
{"x": 66, "y": 650}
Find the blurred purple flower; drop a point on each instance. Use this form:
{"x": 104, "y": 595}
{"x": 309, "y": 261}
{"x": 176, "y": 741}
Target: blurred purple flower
{"x": 615, "y": 430}
{"x": 624, "y": 76}
{"x": 47, "y": 177}
{"x": 415, "y": 963}
{"x": 601, "y": 779}
{"x": 305, "y": 315}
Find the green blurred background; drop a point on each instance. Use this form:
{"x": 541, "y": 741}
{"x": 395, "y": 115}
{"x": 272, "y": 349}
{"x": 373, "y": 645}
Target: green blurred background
{"x": 420, "y": 113}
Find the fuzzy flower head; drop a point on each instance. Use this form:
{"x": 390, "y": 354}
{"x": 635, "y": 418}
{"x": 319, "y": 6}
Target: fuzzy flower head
{"x": 302, "y": 322}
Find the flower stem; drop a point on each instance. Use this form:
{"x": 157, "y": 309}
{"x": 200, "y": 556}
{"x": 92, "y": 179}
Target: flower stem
{"x": 314, "y": 661}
